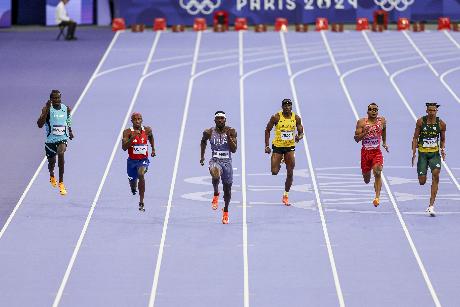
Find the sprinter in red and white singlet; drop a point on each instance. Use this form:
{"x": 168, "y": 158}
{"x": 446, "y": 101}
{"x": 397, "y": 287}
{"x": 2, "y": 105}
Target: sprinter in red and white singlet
{"x": 371, "y": 131}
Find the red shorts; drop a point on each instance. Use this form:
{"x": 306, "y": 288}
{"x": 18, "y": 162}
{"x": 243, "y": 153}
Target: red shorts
{"x": 369, "y": 158}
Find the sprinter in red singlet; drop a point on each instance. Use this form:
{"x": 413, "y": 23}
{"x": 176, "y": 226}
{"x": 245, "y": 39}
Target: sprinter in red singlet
{"x": 135, "y": 141}
{"x": 371, "y": 131}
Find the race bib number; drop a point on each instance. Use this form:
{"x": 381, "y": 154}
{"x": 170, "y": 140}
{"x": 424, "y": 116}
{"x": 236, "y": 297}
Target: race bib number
{"x": 140, "y": 149}
{"x": 221, "y": 154}
{"x": 430, "y": 142}
{"x": 371, "y": 143}
{"x": 58, "y": 130}
{"x": 287, "y": 135}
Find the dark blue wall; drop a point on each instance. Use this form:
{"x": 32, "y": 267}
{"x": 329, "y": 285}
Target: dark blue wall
{"x": 31, "y": 12}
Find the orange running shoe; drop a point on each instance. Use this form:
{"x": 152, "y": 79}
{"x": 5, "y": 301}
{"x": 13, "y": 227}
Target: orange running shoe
{"x": 224, "y": 217}
{"x": 62, "y": 189}
{"x": 215, "y": 202}
{"x": 286, "y": 200}
{"x": 53, "y": 182}
{"x": 376, "y": 202}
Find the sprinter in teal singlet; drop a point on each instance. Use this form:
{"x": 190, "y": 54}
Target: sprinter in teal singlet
{"x": 57, "y": 120}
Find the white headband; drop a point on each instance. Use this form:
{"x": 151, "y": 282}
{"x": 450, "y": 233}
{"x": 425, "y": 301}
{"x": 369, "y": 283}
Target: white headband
{"x": 220, "y": 114}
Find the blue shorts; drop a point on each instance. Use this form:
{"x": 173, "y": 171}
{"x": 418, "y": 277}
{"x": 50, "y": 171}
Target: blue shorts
{"x": 225, "y": 169}
{"x": 134, "y": 165}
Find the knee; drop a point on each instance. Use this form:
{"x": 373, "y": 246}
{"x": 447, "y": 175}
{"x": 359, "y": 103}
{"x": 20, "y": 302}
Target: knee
{"x": 275, "y": 171}
{"x": 422, "y": 180}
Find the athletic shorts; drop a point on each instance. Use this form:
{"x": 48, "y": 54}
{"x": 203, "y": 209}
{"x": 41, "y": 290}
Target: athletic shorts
{"x": 282, "y": 150}
{"x": 134, "y": 165}
{"x": 51, "y": 148}
{"x": 369, "y": 158}
{"x": 225, "y": 169}
{"x": 425, "y": 159}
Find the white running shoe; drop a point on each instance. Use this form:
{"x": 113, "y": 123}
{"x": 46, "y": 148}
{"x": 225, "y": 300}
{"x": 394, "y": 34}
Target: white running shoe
{"x": 430, "y": 211}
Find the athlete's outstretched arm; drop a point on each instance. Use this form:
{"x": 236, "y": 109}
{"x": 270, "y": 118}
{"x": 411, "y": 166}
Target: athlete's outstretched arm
{"x": 204, "y": 141}
{"x": 271, "y": 123}
{"x": 151, "y": 140}
{"x": 418, "y": 128}
{"x": 231, "y": 137}
{"x": 443, "y": 138}
{"x": 42, "y": 119}
{"x": 360, "y": 132}
{"x": 127, "y": 140}
{"x": 299, "y": 127}
{"x": 384, "y": 135}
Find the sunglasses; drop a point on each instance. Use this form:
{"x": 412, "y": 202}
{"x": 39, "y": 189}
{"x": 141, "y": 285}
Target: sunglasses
{"x": 373, "y": 109}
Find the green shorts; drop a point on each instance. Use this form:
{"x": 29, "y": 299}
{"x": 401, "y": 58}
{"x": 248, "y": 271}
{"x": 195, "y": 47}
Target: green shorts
{"x": 282, "y": 150}
{"x": 425, "y": 159}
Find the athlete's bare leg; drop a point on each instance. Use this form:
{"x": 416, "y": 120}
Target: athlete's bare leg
{"x": 60, "y": 153}
{"x": 51, "y": 164}
{"x": 276, "y": 163}
{"x": 141, "y": 185}
{"x": 133, "y": 185}
{"x": 289, "y": 158}
{"x": 227, "y": 195}
{"x": 434, "y": 185}
{"x": 377, "y": 170}
{"x": 367, "y": 177}
{"x": 215, "y": 174}
{"x": 422, "y": 179}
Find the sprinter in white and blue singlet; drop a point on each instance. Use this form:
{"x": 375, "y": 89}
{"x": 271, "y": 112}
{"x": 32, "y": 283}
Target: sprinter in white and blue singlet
{"x": 56, "y": 117}
{"x": 223, "y": 143}
{"x": 135, "y": 142}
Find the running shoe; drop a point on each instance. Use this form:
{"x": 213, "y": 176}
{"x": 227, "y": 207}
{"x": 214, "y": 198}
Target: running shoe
{"x": 62, "y": 189}
{"x": 134, "y": 191}
{"x": 215, "y": 202}
{"x": 53, "y": 182}
{"x": 376, "y": 202}
{"x": 286, "y": 200}
{"x": 141, "y": 207}
{"x": 430, "y": 211}
{"x": 224, "y": 217}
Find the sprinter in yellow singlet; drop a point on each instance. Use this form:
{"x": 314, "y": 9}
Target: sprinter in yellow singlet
{"x": 286, "y": 123}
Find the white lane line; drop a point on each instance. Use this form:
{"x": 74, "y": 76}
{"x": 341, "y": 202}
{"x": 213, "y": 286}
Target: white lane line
{"x": 173, "y": 181}
{"x": 335, "y": 274}
{"x": 243, "y": 177}
{"x": 451, "y": 91}
{"x": 420, "y": 53}
{"x": 58, "y": 297}
{"x": 329, "y": 51}
{"x": 80, "y": 99}
{"x": 375, "y": 53}
{"x": 396, "y": 208}
{"x": 449, "y": 36}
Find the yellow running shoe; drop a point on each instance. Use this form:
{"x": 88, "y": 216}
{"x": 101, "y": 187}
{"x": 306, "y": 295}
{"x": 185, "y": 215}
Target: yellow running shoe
{"x": 376, "y": 202}
{"x": 62, "y": 189}
{"x": 53, "y": 182}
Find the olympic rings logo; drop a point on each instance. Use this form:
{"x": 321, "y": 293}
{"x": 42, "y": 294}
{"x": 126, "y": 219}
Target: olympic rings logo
{"x": 399, "y": 5}
{"x": 195, "y": 7}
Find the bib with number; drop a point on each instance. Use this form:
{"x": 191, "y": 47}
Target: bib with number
{"x": 287, "y": 135}
{"x": 221, "y": 154}
{"x": 140, "y": 149}
{"x": 58, "y": 130}
{"x": 430, "y": 142}
{"x": 371, "y": 143}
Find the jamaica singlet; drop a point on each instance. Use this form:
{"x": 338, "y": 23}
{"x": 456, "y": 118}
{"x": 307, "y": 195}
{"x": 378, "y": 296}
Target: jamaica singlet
{"x": 285, "y": 131}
